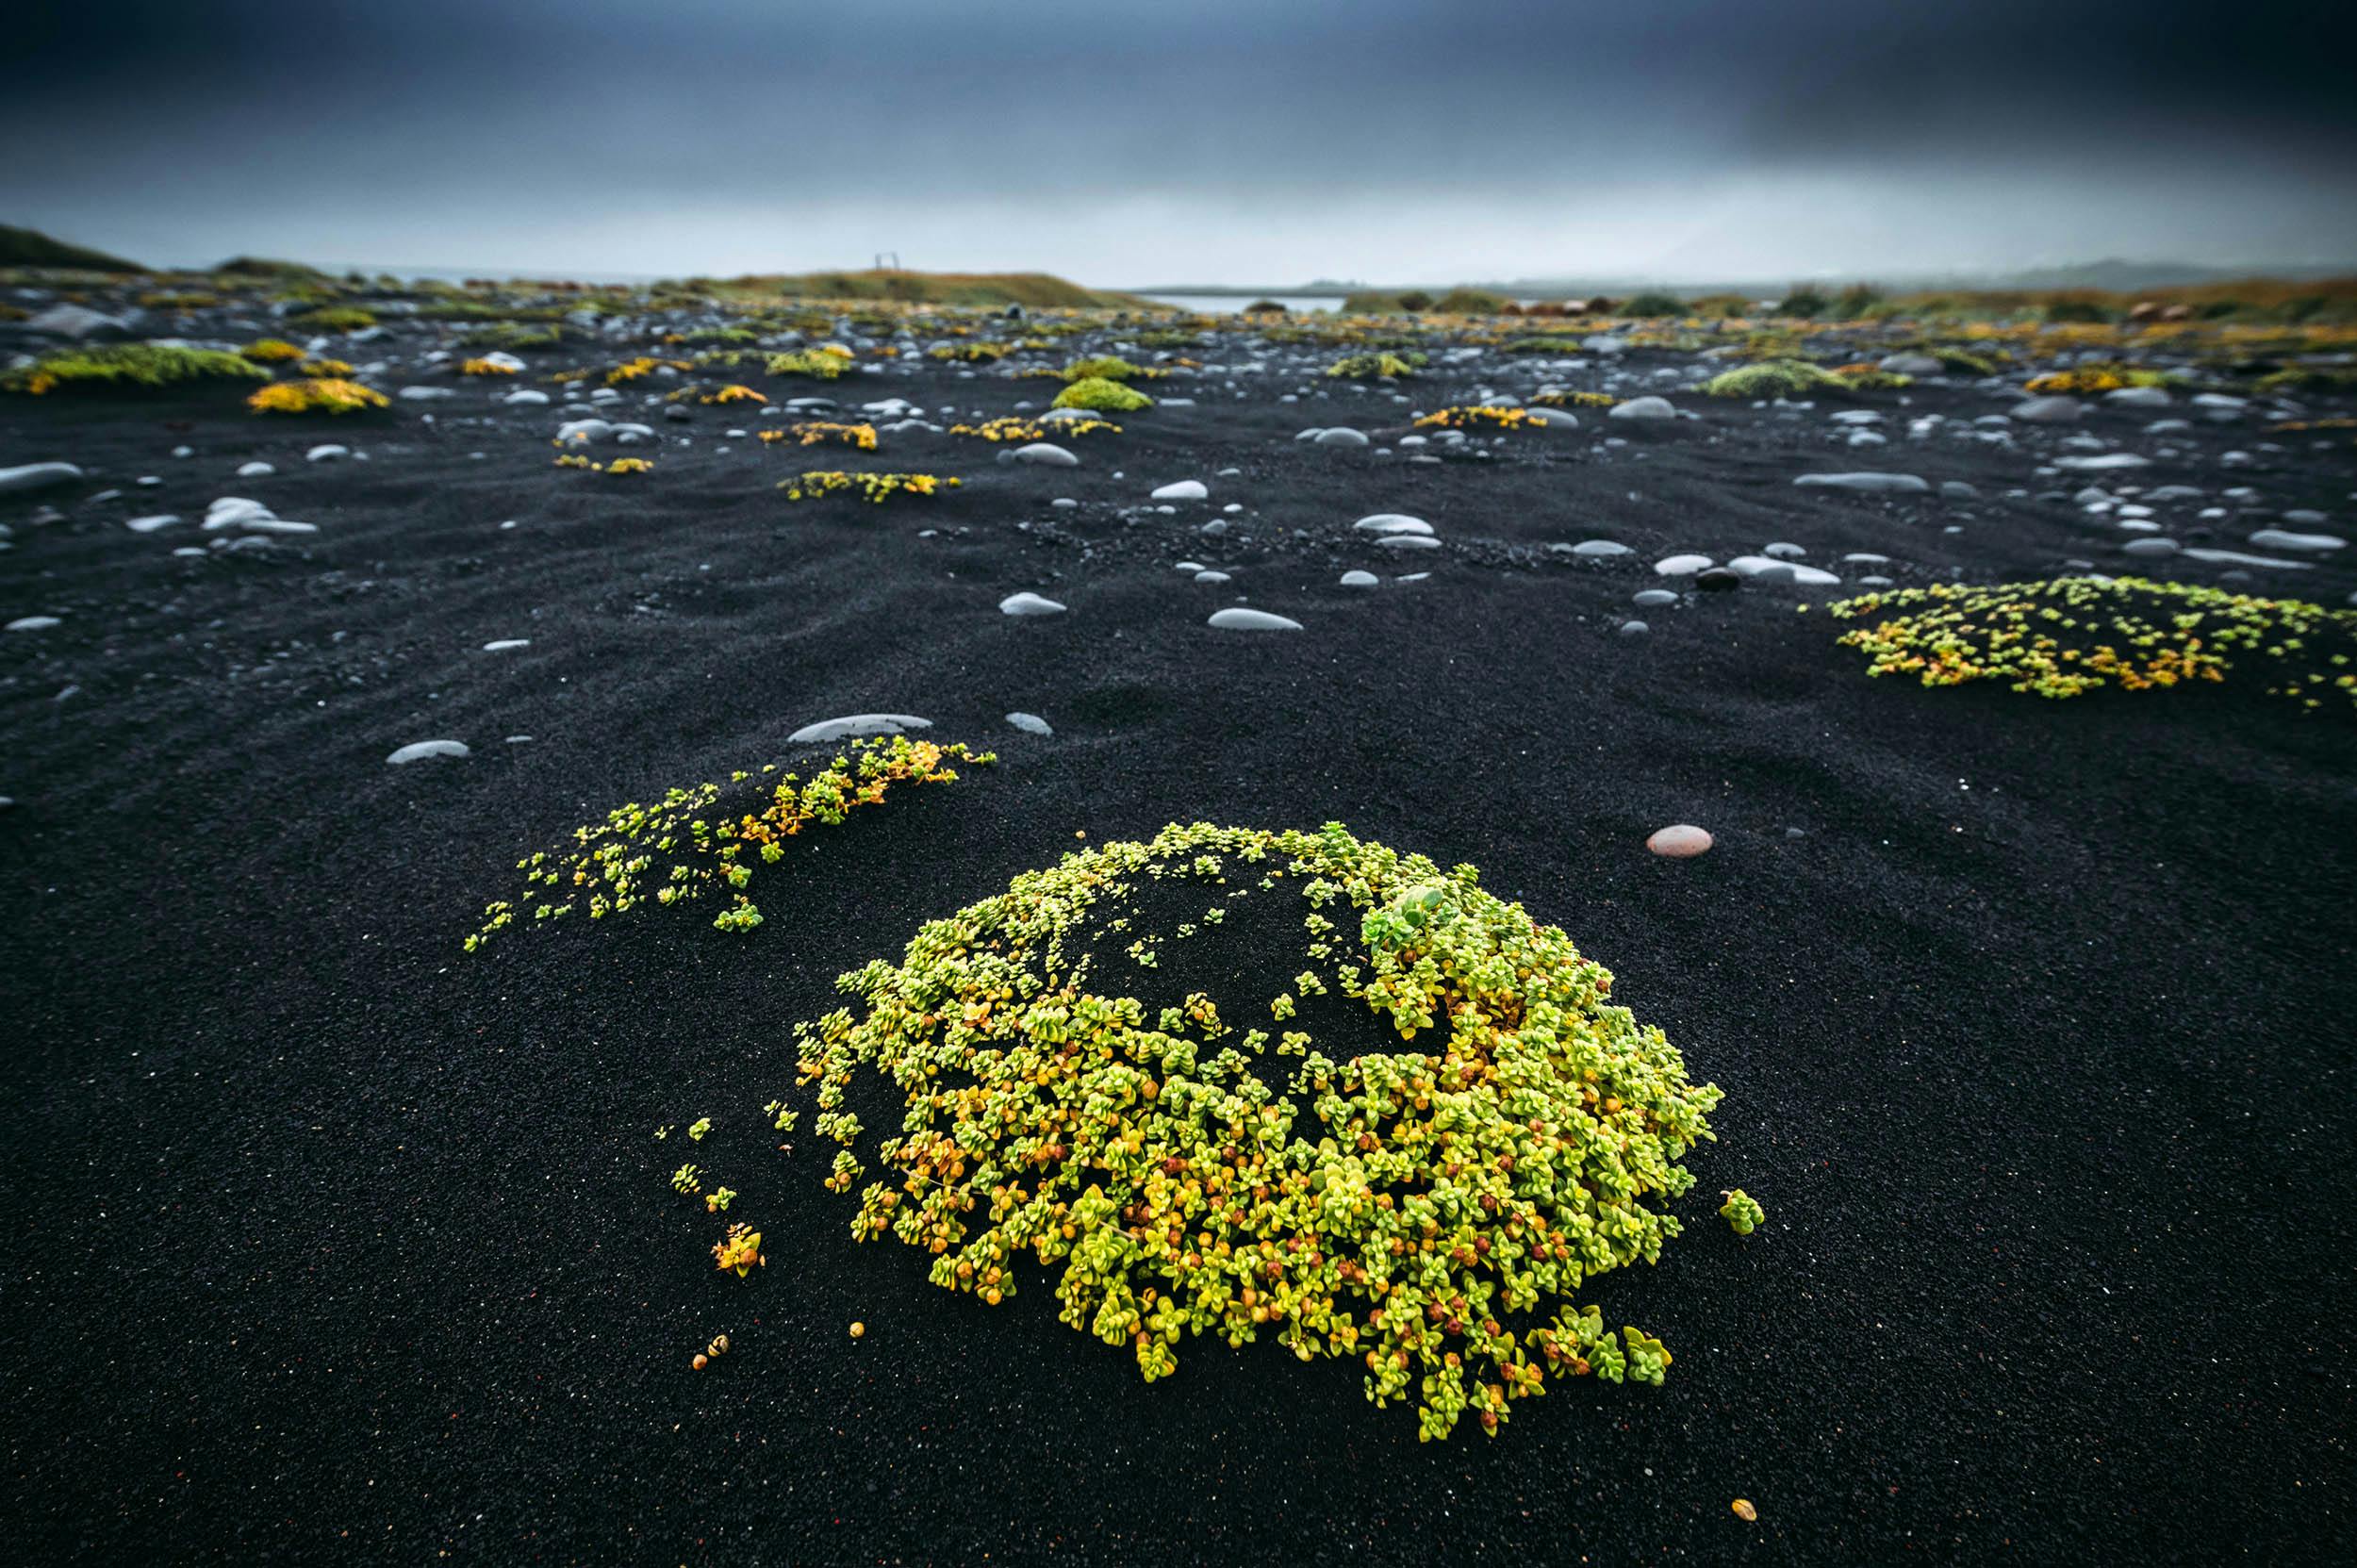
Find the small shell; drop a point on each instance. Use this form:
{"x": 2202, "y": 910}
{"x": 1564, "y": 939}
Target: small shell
{"x": 858, "y": 1330}
{"x": 699, "y": 1364}
{"x": 1744, "y": 1509}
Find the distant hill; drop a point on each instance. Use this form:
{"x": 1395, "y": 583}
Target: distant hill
{"x": 32, "y": 248}
{"x": 259, "y": 266}
{"x": 969, "y": 289}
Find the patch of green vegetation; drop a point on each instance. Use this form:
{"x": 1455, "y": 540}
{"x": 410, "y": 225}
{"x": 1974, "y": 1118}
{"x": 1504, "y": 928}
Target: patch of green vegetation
{"x": 817, "y": 363}
{"x": 2308, "y": 378}
{"x": 1103, "y": 396}
{"x": 1470, "y": 302}
{"x": 670, "y": 853}
{"x": 514, "y": 336}
{"x": 1106, "y": 366}
{"x": 1803, "y": 303}
{"x": 1741, "y": 1212}
{"x": 1962, "y": 361}
{"x": 266, "y": 269}
{"x": 316, "y": 395}
{"x": 1430, "y": 1211}
{"x": 337, "y": 318}
{"x": 1378, "y": 367}
{"x": 32, "y": 248}
{"x": 1855, "y": 302}
{"x": 128, "y": 365}
{"x": 2071, "y": 636}
{"x": 1775, "y": 378}
{"x": 1653, "y": 302}
{"x": 1038, "y": 290}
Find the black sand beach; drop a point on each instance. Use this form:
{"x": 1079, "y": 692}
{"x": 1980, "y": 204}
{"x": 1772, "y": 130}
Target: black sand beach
{"x": 330, "y": 1241}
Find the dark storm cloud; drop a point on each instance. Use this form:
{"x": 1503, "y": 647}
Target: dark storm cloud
{"x": 1409, "y": 133}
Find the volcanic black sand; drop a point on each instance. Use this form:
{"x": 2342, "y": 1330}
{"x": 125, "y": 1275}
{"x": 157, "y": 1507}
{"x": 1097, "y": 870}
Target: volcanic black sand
{"x": 331, "y": 1243}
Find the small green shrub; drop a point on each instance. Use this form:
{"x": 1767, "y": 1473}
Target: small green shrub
{"x": 2308, "y": 378}
{"x": 2063, "y": 311}
{"x": 1104, "y": 367}
{"x": 1398, "y": 1207}
{"x": 1102, "y": 396}
{"x": 1654, "y": 302}
{"x": 128, "y": 365}
{"x": 1803, "y": 303}
{"x": 2074, "y": 635}
{"x": 614, "y": 863}
{"x": 1775, "y": 378}
{"x": 514, "y": 336}
{"x": 1470, "y": 302}
{"x": 1855, "y": 302}
{"x": 815, "y": 363}
{"x": 1376, "y": 367}
{"x": 337, "y": 318}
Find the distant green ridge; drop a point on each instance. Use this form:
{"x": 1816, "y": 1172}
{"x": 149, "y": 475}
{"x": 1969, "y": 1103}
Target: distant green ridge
{"x": 32, "y": 248}
{"x": 1039, "y": 289}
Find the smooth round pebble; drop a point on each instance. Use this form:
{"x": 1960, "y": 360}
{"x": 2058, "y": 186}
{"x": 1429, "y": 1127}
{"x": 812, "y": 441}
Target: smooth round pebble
{"x": 1679, "y": 841}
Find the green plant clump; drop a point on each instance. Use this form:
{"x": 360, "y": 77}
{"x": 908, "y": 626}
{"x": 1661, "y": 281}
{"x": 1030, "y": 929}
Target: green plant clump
{"x": 671, "y": 851}
{"x": 1654, "y": 304}
{"x": 1375, "y": 367}
{"x": 144, "y": 366}
{"x": 1775, "y": 378}
{"x": 2073, "y": 634}
{"x": 1741, "y": 1212}
{"x": 1103, "y": 396}
{"x": 810, "y": 362}
{"x": 337, "y": 318}
{"x": 1430, "y": 1211}
{"x": 1104, "y": 367}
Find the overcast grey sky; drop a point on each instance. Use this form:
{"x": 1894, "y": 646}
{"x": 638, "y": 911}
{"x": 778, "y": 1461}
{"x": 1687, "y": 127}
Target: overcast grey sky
{"x": 1251, "y": 141}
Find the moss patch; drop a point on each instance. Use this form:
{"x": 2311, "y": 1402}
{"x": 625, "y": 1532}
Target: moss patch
{"x": 1427, "y": 1207}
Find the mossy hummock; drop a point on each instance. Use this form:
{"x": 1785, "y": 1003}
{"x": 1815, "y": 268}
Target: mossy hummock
{"x": 1430, "y": 1209}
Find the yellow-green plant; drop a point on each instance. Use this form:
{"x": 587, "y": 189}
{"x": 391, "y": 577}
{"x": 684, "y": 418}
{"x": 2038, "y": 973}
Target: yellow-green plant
{"x": 2087, "y": 380}
{"x": 1107, "y": 367}
{"x": 619, "y": 467}
{"x": 1377, "y": 366}
{"x": 875, "y": 488}
{"x": 1430, "y": 1211}
{"x": 2073, "y": 635}
{"x": 1479, "y": 415}
{"x": 1775, "y": 378}
{"x": 1741, "y": 1212}
{"x": 316, "y": 395}
{"x": 823, "y": 364}
{"x": 1015, "y": 427}
{"x": 815, "y": 431}
{"x": 146, "y": 366}
{"x": 1102, "y": 396}
{"x": 673, "y": 851}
